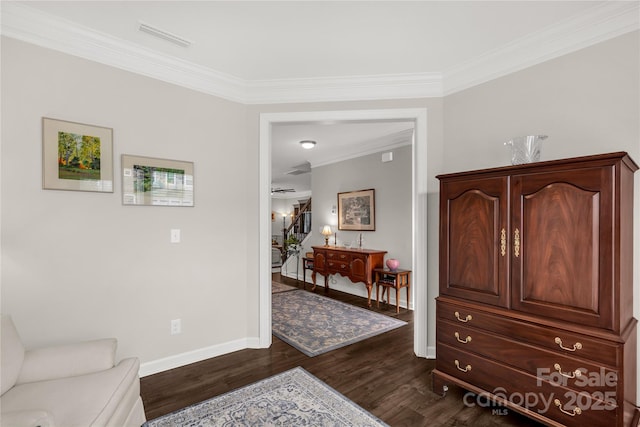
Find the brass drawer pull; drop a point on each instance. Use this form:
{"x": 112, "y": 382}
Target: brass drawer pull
{"x": 576, "y": 346}
{"x": 464, "y": 341}
{"x": 465, "y": 369}
{"x": 576, "y": 410}
{"x": 503, "y": 242}
{"x": 575, "y": 374}
{"x": 516, "y": 243}
{"x": 465, "y": 320}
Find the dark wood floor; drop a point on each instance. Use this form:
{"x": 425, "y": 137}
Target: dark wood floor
{"x": 381, "y": 374}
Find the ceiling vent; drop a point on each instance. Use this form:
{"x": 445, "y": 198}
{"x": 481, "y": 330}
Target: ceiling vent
{"x": 300, "y": 169}
{"x": 165, "y": 35}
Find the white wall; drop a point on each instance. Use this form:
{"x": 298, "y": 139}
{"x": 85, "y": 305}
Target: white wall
{"x": 586, "y": 102}
{"x": 80, "y": 265}
{"x": 121, "y": 277}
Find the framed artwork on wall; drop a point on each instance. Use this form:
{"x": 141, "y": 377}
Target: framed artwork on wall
{"x": 356, "y": 210}
{"x": 148, "y": 181}
{"x": 76, "y": 156}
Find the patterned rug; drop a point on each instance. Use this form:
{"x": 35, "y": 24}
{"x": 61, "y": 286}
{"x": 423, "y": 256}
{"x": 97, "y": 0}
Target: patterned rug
{"x": 281, "y": 287}
{"x": 292, "y": 398}
{"x": 315, "y": 324}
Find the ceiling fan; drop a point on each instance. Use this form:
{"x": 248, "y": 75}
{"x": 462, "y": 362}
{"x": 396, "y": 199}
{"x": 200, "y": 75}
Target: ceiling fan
{"x": 282, "y": 190}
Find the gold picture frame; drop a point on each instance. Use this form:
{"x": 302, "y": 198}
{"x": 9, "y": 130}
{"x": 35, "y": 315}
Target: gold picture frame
{"x": 357, "y": 210}
{"x": 76, "y": 156}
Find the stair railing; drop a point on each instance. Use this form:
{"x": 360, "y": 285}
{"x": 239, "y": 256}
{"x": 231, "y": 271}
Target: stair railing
{"x": 296, "y": 224}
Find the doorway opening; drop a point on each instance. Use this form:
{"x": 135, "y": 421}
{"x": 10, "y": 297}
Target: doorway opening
{"x": 419, "y": 207}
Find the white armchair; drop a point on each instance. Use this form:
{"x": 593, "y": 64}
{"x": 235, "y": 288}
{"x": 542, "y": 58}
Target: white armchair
{"x": 67, "y": 385}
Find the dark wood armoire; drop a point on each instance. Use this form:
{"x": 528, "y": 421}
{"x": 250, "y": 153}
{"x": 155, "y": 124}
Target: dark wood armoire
{"x": 536, "y": 289}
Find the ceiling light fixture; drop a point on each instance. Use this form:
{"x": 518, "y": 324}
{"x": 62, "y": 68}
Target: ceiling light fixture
{"x": 166, "y": 35}
{"x": 307, "y": 145}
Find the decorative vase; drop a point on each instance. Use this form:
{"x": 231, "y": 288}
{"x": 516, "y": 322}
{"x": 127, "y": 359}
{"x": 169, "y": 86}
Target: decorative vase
{"x": 393, "y": 264}
{"x": 525, "y": 149}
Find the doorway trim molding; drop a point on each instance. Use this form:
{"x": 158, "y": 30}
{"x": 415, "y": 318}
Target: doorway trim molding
{"x": 418, "y": 211}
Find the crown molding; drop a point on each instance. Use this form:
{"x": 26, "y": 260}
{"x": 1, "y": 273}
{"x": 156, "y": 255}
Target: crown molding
{"x": 36, "y": 27}
{"x": 292, "y": 196}
{"x": 378, "y": 145}
{"x": 348, "y": 88}
{"x": 597, "y": 24}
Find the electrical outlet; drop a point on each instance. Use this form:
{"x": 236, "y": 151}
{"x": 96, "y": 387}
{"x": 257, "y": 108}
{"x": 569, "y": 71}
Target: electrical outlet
{"x": 176, "y": 326}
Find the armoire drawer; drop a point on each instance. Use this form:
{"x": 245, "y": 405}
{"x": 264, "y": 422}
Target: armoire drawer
{"x": 561, "y": 404}
{"x": 569, "y": 343}
{"x": 548, "y": 365}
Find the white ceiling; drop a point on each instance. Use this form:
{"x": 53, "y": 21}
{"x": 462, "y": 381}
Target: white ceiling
{"x": 334, "y": 142}
{"x": 263, "y": 40}
{"x": 304, "y": 51}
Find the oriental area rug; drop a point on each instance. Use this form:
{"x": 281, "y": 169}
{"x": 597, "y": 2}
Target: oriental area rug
{"x": 293, "y": 398}
{"x": 315, "y": 324}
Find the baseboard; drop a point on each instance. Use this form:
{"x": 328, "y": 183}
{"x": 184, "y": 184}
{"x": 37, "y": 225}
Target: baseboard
{"x": 182, "y": 359}
{"x": 291, "y": 275}
{"x": 431, "y": 352}
{"x": 350, "y": 290}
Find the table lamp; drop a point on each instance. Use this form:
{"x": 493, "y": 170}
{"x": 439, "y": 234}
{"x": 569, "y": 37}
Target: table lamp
{"x": 326, "y": 232}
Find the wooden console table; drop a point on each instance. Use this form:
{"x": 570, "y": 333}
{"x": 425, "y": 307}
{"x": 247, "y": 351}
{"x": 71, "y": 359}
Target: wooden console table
{"x": 356, "y": 264}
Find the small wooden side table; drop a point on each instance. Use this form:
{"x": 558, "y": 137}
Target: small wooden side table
{"x": 396, "y": 279}
{"x": 307, "y": 264}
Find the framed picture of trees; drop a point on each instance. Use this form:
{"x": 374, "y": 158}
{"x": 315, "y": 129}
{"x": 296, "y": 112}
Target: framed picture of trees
{"x": 156, "y": 182}
{"x": 76, "y": 156}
